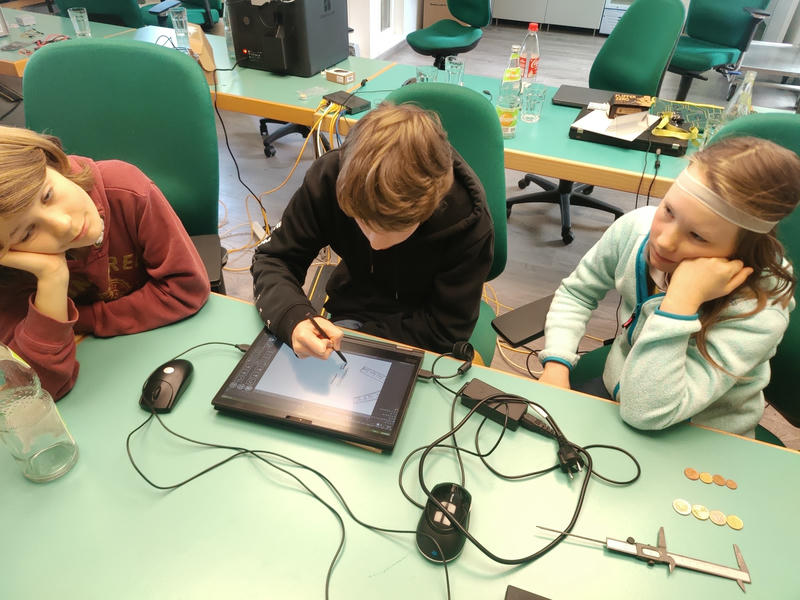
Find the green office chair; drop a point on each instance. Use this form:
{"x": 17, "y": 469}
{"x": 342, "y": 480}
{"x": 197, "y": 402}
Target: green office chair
{"x": 481, "y": 145}
{"x": 448, "y": 37}
{"x": 633, "y": 59}
{"x": 718, "y": 32}
{"x": 130, "y": 14}
{"x": 145, "y": 104}
{"x": 783, "y": 129}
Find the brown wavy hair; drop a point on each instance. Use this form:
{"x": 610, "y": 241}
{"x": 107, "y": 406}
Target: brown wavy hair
{"x": 763, "y": 179}
{"x": 24, "y": 157}
{"x": 396, "y": 166}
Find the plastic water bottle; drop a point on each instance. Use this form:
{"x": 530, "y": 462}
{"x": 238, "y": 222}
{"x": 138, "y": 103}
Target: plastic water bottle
{"x": 508, "y": 100}
{"x": 529, "y": 55}
{"x": 30, "y": 425}
{"x": 741, "y": 103}
{"x": 226, "y": 19}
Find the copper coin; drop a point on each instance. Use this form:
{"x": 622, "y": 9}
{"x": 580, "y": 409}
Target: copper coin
{"x": 691, "y": 473}
{"x": 706, "y": 477}
{"x": 718, "y": 479}
{"x": 700, "y": 511}
{"x": 717, "y": 517}
{"x": 731, "y": 484}
{"x": 734, "y": 522}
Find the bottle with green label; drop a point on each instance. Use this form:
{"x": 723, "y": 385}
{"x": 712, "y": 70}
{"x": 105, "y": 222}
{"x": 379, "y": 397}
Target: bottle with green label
{"x": 508, "y": 100}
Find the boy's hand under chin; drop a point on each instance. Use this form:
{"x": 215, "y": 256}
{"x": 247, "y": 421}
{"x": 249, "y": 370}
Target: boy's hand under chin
{"x": 698, "y": 280}
{"x": 40, "y": 265}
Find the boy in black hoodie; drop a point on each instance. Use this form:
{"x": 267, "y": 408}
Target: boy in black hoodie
{"x": 409, "y": 220}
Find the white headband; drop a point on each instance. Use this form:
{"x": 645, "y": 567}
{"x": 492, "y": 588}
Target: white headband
{"x": 719, "y": 206}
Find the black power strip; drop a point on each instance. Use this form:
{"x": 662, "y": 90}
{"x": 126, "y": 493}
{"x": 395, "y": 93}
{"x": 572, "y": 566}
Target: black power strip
{"x": 352, "y": 104}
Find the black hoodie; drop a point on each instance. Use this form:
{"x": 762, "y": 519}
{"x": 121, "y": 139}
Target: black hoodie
{"x": 424, "y": 291}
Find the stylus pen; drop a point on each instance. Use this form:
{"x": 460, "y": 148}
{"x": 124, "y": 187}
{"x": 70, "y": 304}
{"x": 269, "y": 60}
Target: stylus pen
{"x": 325, "y": 336}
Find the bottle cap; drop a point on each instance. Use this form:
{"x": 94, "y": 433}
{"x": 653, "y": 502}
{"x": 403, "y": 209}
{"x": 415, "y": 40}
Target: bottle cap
{"x": 533, "y": 27}
{"x": 516, "y": 48}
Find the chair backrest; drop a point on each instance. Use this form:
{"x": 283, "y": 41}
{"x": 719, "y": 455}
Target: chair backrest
{"x": 472, "y": 127}
{"x": 134, "y": 101}
{"x": 117, "y": 12}
{"x": 635, "y": 56}
{"x": 783, "y": 129}
{"x": 723, "y": 22}
{"x": 477, "y": 13}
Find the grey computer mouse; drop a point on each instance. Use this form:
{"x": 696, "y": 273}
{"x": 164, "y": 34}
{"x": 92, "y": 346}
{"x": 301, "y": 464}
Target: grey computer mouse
{"x": 165, "y": 385}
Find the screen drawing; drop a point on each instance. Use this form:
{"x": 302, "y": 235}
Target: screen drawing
{"x": 355, "y": 386}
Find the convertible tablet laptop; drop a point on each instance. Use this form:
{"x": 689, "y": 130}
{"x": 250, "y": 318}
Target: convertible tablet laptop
{"x": 363, "y": 401}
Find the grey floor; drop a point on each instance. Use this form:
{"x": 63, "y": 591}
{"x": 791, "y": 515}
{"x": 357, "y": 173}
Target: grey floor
{"x": 538, "y": 259}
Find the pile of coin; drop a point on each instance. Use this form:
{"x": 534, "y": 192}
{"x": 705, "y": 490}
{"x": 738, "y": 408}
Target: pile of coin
{"x": 700, "y": 512}
{"x": 706, "y": 477}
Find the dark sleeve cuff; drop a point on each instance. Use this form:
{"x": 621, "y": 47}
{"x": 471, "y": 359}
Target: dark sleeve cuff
{"x": 297, "y": 313}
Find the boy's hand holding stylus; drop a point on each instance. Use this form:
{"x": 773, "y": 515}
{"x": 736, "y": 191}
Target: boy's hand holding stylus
{"x": 306, "y": 340}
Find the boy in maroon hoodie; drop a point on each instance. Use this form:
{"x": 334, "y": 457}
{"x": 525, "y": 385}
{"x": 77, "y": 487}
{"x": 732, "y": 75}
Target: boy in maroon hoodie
{"x": 85, "y": 247}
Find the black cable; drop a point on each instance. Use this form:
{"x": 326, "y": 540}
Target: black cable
{"x": 566, "y": 448}
{"x": 11, "y": 110}
{"x": 655, "y": 174}
{"x": 241, "y": 451}
{"x": 267, "y": 229}
{"x": 641, "y": 177}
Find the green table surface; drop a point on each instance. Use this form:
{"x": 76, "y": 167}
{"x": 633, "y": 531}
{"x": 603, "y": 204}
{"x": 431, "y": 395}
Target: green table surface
{"x": 545, "y": 147}
{"x": 13, "y": 63}
{"x": 249, "y": 531}
{"x": 266, "y": 94}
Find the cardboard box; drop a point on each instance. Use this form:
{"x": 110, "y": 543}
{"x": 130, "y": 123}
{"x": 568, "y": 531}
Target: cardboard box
{"x": 340, "y": 76}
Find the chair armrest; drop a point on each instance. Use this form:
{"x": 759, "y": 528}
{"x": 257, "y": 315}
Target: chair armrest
{"x": 162, "y": 7}
{"x": 757, "y": 17}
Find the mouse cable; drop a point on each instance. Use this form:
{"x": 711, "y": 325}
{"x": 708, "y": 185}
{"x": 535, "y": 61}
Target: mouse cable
{"x": 260, "y": 455}
{"x": 641, "y": 177}
{"x": 655, "y": 174}
{"x": 564, "y": 445}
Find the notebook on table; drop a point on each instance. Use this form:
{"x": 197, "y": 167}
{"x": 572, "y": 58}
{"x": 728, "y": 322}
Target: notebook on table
{"x": 363, "y": 401}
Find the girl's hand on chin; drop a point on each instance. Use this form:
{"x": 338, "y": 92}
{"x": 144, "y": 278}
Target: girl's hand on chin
{"x": 698, "y": 280}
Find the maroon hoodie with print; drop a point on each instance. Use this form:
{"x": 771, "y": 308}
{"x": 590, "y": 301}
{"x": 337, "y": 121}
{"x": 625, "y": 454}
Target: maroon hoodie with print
{"x": 145, "y": 273}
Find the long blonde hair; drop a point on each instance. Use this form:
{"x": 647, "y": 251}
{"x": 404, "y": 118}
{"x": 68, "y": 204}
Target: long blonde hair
{"x": 763, "y": 179}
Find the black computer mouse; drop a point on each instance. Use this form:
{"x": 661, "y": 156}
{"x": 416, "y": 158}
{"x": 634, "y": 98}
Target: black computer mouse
{"x": 164, "y": 386}
{"x": 437, "y": 525}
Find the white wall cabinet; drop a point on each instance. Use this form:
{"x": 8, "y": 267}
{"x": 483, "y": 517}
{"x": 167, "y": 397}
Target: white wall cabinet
{"x": 571, "y": 13}
{"x": 520, "y": 10}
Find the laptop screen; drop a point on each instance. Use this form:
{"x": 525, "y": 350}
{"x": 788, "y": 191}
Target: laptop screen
{"x": 363, "y": 401}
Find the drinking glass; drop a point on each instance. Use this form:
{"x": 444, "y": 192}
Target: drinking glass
{"x": 454, "y": 67}
{"x": 427, "y": 73}
{"x": 532, "y": 102}
{"x": 180, "y": 24}
{"x": 80, "y": 21}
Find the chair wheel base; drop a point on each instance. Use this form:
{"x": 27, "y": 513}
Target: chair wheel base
{"x": 567, "y": 236}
